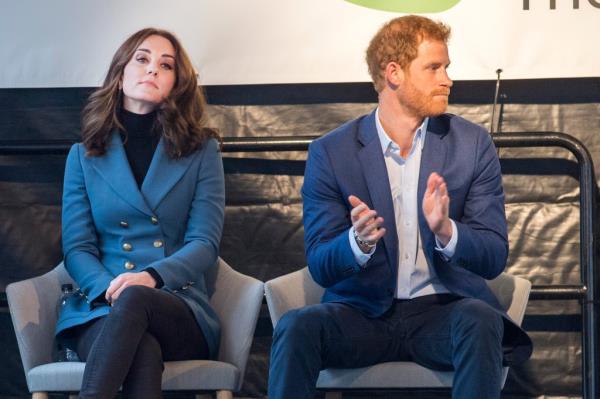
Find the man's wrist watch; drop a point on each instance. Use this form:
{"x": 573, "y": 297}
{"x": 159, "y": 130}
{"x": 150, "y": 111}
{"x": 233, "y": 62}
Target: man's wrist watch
{"x": 363, "y": 243}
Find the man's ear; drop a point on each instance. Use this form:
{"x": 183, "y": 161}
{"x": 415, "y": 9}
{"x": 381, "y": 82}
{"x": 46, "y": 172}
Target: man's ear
{"x": 394, "y": 74}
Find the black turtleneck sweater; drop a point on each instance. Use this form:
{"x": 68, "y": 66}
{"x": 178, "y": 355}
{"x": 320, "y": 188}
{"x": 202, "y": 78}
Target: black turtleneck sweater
{"x": 140, "y": 140}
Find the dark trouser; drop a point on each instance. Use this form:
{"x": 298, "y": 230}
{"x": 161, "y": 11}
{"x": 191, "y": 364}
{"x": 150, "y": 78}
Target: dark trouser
{"x": 127, "y": 347}
{"x": 441, "y": 332}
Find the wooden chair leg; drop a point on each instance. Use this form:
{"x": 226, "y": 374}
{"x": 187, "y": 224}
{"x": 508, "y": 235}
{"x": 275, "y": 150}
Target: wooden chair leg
{"x": 333, "y": 395}
{"x": 224, "y": 395}
{"x": 39, "y": 395}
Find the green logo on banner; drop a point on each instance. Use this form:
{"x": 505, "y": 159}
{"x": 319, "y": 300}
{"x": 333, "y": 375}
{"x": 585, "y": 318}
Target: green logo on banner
{"x": 408, "y": 6}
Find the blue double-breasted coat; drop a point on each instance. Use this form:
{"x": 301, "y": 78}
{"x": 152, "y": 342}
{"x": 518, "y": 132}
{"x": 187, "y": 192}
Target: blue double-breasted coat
{"x": 173, "y": 223}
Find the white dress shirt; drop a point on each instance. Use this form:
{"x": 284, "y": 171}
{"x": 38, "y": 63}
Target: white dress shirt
{"x": 415, "y": 276}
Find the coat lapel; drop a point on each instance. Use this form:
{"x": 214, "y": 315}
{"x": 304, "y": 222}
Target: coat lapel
{"x": 376, "y": 176}
{"x": 114, "y": 168}
{"x": 162, "y": 175}
{"x": 433, "y": 159}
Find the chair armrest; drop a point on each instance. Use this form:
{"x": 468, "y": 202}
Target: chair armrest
{"x": 32, "y": 305}
{"x": 513, "y": 294}
{"x": 291, "y": 291}
{"x": 236, "y": 299}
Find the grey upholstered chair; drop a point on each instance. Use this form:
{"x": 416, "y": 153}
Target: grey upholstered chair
{"x": 235, "y": 297}
{"x": 298, "y": 289}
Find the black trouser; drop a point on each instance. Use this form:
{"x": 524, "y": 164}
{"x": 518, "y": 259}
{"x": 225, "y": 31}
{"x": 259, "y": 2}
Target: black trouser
{"x": 127, "y": 348}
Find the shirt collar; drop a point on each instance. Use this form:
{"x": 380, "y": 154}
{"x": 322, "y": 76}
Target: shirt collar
{"x": 387, "y": 143}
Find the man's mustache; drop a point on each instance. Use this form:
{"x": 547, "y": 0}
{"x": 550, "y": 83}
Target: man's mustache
{"x": 441, "y": 92}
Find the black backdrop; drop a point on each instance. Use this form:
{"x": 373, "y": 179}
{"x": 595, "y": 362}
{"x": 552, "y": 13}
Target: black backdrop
{"x": 263, "y": 229}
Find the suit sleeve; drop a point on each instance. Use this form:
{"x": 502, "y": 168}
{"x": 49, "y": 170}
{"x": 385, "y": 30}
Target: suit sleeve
{"x": 482, "y": 246}
{"x": 79, "y": 238}
{"x": 326, "y": 218}
{"x": 204, "y": 226}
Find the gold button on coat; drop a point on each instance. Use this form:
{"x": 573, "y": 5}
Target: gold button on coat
{"x": 154, "y": 220}
{"x": 158, "y": 243}
{"x": 127, "y": 246}
{"x": 129, "y": 265}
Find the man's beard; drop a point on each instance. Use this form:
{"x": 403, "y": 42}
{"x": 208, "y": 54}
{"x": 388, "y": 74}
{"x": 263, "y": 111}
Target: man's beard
{"x": 423, "y": 105}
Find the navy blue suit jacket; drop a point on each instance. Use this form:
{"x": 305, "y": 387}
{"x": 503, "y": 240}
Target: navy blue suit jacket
{"x": 349, "y": 160}
{"x": 180, "y": 204}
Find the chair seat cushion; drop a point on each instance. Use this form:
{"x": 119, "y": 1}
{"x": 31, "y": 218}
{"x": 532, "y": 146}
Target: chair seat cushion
{"x": 181, "y": 375}
{"x": 385, "y": 375}
{"x": 189, "y": 375}
{"x": 388, "y": 375}
{"x": 63, "y": 376}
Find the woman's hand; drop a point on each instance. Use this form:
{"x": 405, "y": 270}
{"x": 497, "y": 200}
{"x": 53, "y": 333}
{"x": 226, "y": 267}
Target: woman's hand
{"x": 122, "y": 281}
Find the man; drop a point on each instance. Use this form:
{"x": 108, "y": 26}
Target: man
{"x": 404, "y": 219}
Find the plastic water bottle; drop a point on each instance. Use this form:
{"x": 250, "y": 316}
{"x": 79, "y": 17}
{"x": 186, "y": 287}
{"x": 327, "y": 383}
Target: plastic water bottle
{"x": 65, "y": 354}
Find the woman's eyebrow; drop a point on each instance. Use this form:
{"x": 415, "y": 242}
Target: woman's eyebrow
{"x": 145, "y": 50}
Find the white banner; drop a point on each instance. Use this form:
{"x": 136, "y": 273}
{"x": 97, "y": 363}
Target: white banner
{"x": 69, "y": 43}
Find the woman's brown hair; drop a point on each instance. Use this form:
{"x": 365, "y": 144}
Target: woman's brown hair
{"x": 180, "y": 116}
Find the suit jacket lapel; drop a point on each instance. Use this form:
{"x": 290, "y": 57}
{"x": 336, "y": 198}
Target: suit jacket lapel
{"x": 376, "y": 176}
{"x": 115, "y": 170}
{"x": 162, "y": 175}
{"x": 433, "y": 159}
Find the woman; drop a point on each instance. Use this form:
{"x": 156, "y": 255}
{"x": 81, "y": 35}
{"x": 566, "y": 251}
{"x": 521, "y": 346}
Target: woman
{"x": 143, "y": 209}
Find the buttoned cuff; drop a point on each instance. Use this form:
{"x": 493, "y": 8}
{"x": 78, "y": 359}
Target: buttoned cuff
{"x": 448, "y": 251}
{"x": 361, "y": 257}
{"x": 100, "y": 300}
{"x": 159, "y": 281}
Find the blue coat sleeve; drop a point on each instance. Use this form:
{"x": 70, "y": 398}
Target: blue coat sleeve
{"x": 482, "y": 246}
{"x": 79, "y": 238}
{"x": 204, "y": 226}
{"x": 326, "y": 218}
